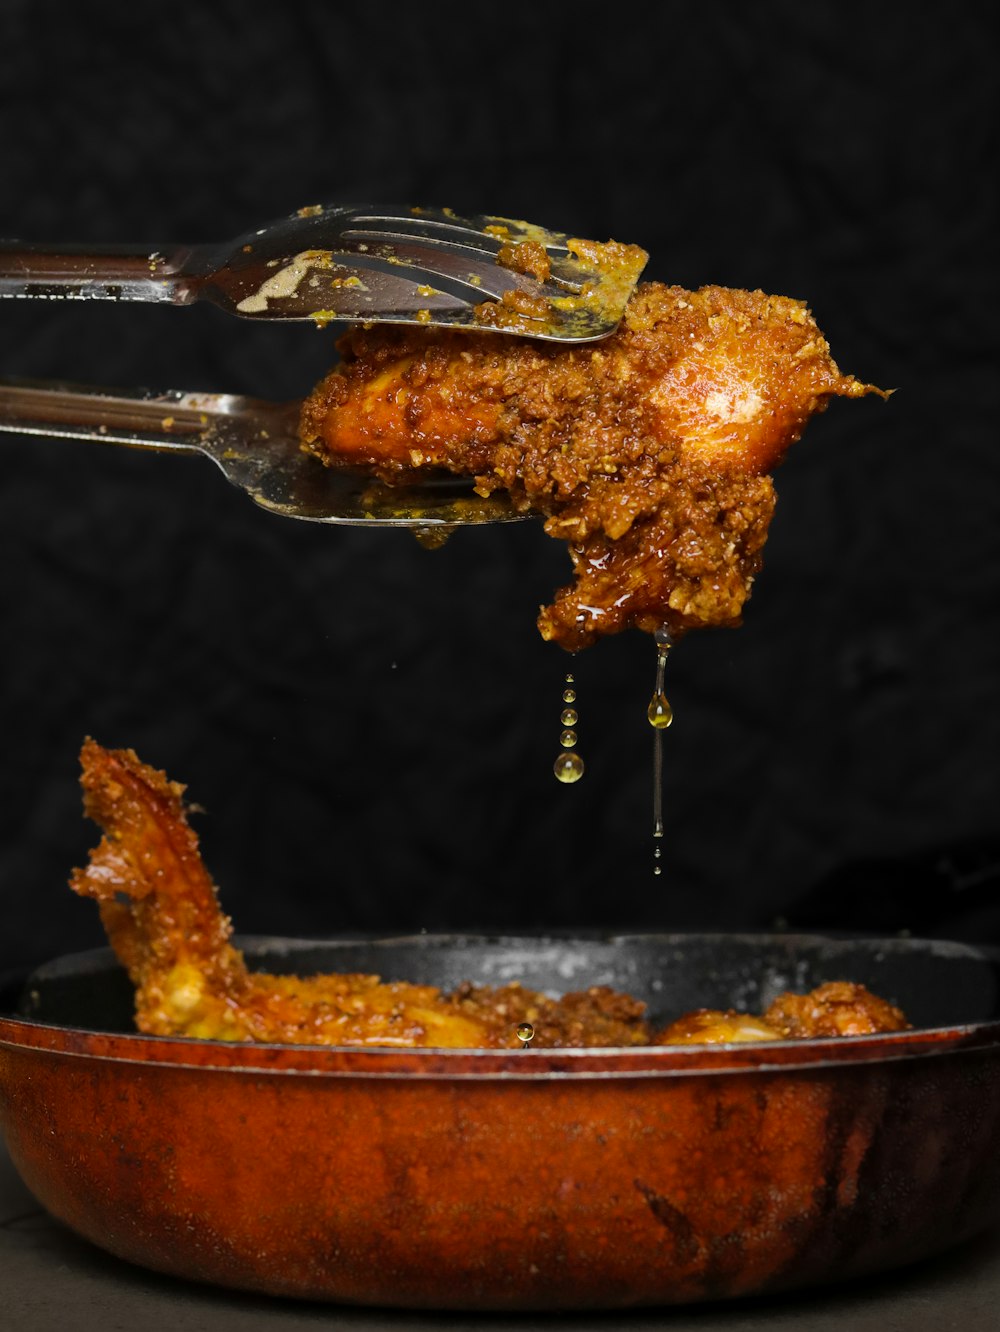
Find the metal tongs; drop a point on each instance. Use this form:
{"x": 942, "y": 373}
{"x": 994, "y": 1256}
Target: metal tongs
{"x": 407, "y": 266}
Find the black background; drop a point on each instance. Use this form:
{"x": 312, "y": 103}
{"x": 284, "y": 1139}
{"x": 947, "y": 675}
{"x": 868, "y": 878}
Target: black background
{"x": 371, "y": 726}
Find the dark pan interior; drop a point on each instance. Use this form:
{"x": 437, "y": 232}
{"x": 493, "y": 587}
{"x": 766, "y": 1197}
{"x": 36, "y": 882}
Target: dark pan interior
{"x": 937, "y": 984}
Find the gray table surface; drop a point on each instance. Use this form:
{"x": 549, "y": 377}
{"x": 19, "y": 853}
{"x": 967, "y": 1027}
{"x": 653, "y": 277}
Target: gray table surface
{"x": 51, "y": 1280}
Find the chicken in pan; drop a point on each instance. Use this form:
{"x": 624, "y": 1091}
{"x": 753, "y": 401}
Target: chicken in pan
{"x": 161, "y": 912}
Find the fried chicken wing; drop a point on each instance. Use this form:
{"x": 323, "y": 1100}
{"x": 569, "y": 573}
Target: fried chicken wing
{"x": 647, "y": 452}
{"x": 162, "y": 915}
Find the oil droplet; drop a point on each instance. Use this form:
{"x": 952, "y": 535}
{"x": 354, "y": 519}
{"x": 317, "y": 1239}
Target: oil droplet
{"x": 525, "y": 1032}
{"x": 569, "y": 695}
{"x": 568, "y": 739}
{"x": 659, "y": 712}
{"x": 568, "y": 767}
{"x": 569, "y": 717}
{"x": 433, "y": 538}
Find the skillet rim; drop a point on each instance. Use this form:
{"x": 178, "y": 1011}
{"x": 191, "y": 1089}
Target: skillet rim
{"x": 595, "y": 1062}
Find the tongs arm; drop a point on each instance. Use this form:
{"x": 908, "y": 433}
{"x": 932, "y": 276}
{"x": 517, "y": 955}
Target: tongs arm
{"x": 171, "y": 421}
{"x": 94, "y": 272}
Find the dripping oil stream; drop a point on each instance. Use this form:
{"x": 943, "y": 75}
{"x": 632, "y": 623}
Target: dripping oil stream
{"x": 569, "y": 766}
{"x": 660, "y": 716}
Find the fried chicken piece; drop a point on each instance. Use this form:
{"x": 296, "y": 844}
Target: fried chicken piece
{"x": 647, "y": 451}
{"x": 712, "y": 1026}
{"x": 161, "y": 912}
{"x": 838, "y": 1008}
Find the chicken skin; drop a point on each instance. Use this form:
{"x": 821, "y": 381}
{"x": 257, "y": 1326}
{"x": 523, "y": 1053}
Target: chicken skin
{"x": 647, "y": 452}
{"x": 161, "y": 912}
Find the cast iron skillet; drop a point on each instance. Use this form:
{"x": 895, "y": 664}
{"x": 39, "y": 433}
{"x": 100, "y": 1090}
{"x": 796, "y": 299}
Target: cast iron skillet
{"x": 522, "y": 1180}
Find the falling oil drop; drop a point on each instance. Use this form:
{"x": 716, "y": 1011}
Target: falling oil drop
{"x": 659, "y": 712}
{"x": 568, "y": 767}
{"x": 525, "y": 1033}
{"x": 569, "y": 693}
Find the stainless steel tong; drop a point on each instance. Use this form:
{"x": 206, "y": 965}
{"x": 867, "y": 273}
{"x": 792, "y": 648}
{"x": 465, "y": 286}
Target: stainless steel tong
{"x": 404, "y": 266}
{"x": 416, "y": 265}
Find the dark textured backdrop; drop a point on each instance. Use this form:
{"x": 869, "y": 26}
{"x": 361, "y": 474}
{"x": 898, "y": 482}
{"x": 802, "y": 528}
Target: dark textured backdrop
{"x": 370, "y": 726}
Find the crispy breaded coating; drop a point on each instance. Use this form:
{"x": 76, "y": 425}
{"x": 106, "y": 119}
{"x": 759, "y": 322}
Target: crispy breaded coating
{"x": 838, "y": 1008}
{"x": 647, "y": 452}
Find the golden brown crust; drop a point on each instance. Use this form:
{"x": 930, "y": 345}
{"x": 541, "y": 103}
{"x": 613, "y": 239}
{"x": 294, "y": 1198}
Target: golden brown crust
{"x": 647, "y": 451}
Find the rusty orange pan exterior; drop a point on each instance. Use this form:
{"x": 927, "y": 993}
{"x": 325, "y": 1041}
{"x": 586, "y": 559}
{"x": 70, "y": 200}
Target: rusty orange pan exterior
{"x": 490, "y": 1180}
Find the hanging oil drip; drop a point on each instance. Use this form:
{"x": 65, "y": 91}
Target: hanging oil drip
{"x": 568, "y": 767}
{"x": 660, "y": 716}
